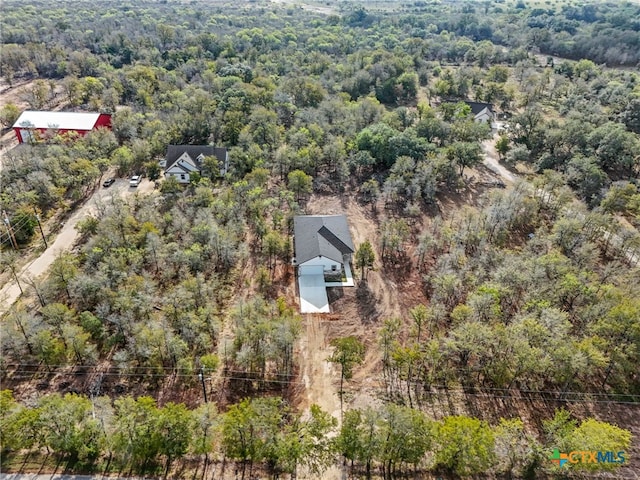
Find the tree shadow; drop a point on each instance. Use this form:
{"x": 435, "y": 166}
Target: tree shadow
{"x": 398, "y": 267}
{"x": 334, "y": 294}
{"x": 24, "y": 462}
{"x": 367, "y": 303}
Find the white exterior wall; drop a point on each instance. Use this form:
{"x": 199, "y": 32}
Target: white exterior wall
{"x": 327, "y": 263}
{"x": 484, "y": 116}
{"x": 311, "y": 270}
{"x": 178, "y": 176}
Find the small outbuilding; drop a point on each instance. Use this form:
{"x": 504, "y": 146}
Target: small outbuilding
{"x": 33, "y": 126}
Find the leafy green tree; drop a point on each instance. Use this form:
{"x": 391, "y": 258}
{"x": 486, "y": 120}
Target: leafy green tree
{"x": 359, "y": 439}
{"x": 526, "y": 128}
{"x": 559, "y": 429}
{"x": 371, "y": 191}
{"x": 365, "y": 257}
{"x": 174, "y": 427}
{"x": 432, "y": 128}
{"x": 205, "y": 422}
{"x": 464, "y": 155}
{"x": 48, "y": 348}
{"x": 622, "y": 197}
{"x": 9, "y": 113}
{"x": 517, "y": 452}
{"x": 170, "y": 186}
{"x": 152, "y": 170}
{"x": 615, "y": 148}
{"x": 69, "y": 428}
{"x": 300, "y": 183}
{"x": 264, "y": 129}
{"x": 405, "y": 437}
{"x": 305, "y": 92}
{"x": 348, "y": 442}
{"x": 376, "y": 140}
{"x": 62, "y": 272}
{"x": 25, "y": 222}
{"x": 275, "y": 246}
{"x": 123, "y": 158}
{"x": 135, "y": 438}
{"x": 563, "y": 432}
{"x": 587, "y": 178}
{"x": 348, "y": 353}
{"x": 249, "y": 430}
{"x": 498, "y": 73}
{"x": 464, "y": 445}
{"x": 468, "y": 130}
{"x": 631, "y": 115}
{"x": 451, "y": 111}
{"x": 420, "y": 314}
{"x": 593, "y": 435}
{"x": 502, "y": 146}
{"x": 305, "y": 442}
{"x": 10, "y": 411}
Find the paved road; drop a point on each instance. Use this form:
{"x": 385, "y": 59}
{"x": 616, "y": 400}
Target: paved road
{"x": 55, "y": 476}
{"x": 66, "y": 238}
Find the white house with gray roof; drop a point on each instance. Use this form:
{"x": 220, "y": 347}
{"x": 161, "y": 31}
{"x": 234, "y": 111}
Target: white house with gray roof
{"x": 182, "y": 161}
{"x": 322, "y": 240}
{"x": 323, "y": 248}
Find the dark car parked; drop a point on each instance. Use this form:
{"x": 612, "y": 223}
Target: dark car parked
{"x": 108, "y": 182}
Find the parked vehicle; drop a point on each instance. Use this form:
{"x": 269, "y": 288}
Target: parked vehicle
{"x": 108, "y": 182}
{"x": 135, "y": 181}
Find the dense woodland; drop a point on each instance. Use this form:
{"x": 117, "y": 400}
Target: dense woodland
{"x": 533, "y": 288}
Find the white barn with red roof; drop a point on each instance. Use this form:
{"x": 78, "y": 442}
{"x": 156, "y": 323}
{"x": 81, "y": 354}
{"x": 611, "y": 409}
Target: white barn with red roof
{"x": 32, "y": 126}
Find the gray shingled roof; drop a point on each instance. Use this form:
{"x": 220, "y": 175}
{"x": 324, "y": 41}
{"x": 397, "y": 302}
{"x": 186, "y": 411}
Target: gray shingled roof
{"x": 477, "y": 107}
{"x": 174, "y": 152}
{"x": 321, "y": 235}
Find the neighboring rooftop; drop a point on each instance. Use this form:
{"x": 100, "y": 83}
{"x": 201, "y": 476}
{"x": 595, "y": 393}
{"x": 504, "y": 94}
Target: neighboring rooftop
{"x": 478, "y": 107}
{"x": 59, "y": 120}
{"x": 195, "y": 152}
{"x": 321, "y": 235}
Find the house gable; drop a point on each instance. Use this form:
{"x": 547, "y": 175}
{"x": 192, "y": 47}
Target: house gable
{"x": 189, "y": 158}
{"x": 186, "y": 163}
{"x": 484, "y": 115}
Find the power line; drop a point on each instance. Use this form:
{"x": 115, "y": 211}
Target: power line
{"x": 440, "y": 389}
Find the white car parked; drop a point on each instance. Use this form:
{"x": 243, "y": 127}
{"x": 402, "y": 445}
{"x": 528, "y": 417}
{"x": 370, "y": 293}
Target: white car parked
{"x": 135, "y": 181}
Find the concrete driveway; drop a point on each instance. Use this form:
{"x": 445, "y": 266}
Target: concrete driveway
{"x": 313, "y": 291}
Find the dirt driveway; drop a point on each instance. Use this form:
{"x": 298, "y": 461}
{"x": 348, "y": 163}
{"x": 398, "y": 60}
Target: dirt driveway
{"x": 67, "y": 237}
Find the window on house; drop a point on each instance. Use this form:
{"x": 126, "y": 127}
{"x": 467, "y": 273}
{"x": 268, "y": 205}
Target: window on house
{"x": 182, "y": 177}
{"x": 333, "y": 268}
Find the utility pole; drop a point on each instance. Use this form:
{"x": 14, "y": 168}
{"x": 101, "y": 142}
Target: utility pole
{"x": 15, "y": 275}
{"x": 7, "y": 224}
{"x": 204, "y": 388}
{"x": 40, "y": 225}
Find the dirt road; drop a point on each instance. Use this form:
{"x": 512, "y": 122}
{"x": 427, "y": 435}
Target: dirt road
{"x": 491, "y": 160}
{"x": 66, "y": 238}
